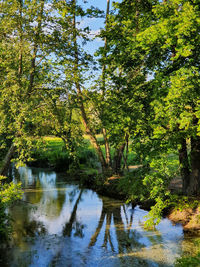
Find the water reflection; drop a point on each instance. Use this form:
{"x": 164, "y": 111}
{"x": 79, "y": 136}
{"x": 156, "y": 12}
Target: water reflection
{"x": 59, "y": 224}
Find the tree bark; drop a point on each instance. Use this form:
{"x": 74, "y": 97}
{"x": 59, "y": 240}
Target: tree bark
{"x": 7, "y": 159}
{"x": 184, "y": 164}
{"x": 126, "y": 155}
{"x": 91, "y": 134}
{"x": 107, "y": 148}
{"x": 194, "y": 183}
{"x": 119, "y": 155}
{"x": 105, "y": 47}
{"x": 137, "y": 14}
{"x": 118, "y": 158}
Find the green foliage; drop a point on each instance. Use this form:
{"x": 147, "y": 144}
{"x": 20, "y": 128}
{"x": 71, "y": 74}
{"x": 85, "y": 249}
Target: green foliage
{"x": 132, "y": 185}
{"x": 146, "y": 99}
{"x": 155, "y": 214}
{"x": 33, "y": 95}
{"x": 151, "y": 183}
{"x": 189, "y": 260}
{"x": 8, "y": 194}
{"x": 53, "y": 153}
{"x": 87, "y": 157}
{"x": 181, "y": 202}
{"x": 167, "y": 201}
{"x": 162, "y": 171}
{"x": 192, "y": 261}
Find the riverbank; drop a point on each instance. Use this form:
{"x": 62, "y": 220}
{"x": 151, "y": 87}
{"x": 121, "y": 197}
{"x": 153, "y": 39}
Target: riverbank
{"x": 59, "y": 221}
{"x": 186, "y": 213}
{"x": 188, "y": 217}
{"x": 56, "y": 183}
{"x": 86, "y": 170}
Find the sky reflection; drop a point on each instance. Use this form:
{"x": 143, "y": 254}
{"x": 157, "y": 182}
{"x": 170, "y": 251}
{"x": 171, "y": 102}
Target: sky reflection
{"x": 60, "y": 224}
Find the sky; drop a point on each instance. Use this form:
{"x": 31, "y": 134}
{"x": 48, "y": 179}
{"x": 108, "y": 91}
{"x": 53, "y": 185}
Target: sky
{"x": 95, "y": 23}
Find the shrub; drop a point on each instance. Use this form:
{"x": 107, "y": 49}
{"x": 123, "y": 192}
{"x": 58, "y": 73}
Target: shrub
{"x": 8, "y": 194}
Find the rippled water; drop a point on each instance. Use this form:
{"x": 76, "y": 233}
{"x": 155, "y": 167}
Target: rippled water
{"x": 60, "y": 224}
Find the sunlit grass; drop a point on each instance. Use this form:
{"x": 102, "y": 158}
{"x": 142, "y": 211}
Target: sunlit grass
{"x": 52, "y": 138}
{"x": 56, "y": 144}
{"x": 53, "y": 143}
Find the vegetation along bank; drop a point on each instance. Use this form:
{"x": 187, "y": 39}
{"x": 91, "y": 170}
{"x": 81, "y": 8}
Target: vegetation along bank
{"x": 134, "y": 101}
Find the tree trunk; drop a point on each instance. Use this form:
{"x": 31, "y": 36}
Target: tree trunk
{"x": 6, "y": 161}
{"x": 20, "y": 66}
{"x": 119, "y": 155}
{"x": 184, "y": 164}
{"x": 105, "y": 47}
{"x": 107, "y": 147}
{"x": 137, "y": 14}
{"x": 125, "y": 158}
{"x": 93, "y": 137}
{"x": 85, "y": 119}
{"x": 118, "y": 158}
{"x": 194, "y": 183}
{"x": 35, "y": 49}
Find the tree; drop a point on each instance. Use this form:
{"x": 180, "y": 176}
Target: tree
{"x": 28, "y": 82}
{"x": 172, "y": 54}
{"x": 20, "y": 74}
{"x": 124, "y": 103}
{"x": 75, "y": 63}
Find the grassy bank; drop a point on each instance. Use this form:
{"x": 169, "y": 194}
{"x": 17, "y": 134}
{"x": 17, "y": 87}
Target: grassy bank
{"x": 53, "y": 154}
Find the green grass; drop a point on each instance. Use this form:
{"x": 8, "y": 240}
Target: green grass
{"x": 53, "y": 154}
{"x": 190, "y": 261}
{"x": 53, "y": 143}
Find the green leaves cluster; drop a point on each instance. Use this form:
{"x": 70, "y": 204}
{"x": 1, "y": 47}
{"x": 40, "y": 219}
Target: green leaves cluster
{"x": 8, "y": 194}
{"x": 152, "y": 61}
{"x": 146, "y": 98}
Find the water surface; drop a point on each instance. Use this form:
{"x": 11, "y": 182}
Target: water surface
{"x": 59, "y": 224}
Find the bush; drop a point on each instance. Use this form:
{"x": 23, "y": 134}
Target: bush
{"x": 8, "y": 194}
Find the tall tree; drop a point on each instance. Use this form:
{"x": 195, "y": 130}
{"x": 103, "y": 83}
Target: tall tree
{"x": 126, "y": 93}
{"x": 26, "y": 36}
{"x": 76, "y": 61}
{"x": 171, "y": 44}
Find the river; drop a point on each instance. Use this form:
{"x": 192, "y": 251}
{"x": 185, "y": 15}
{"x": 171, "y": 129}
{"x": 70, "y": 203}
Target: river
{"x": 57, "y": 223}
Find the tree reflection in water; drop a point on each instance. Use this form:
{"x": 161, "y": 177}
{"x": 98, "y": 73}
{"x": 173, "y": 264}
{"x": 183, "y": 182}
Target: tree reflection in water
{"x": 126, "y": 237}
{"x": 63, "y": 223}
{"x": 121, "y": 238}
{"x": 72, "y": 223}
